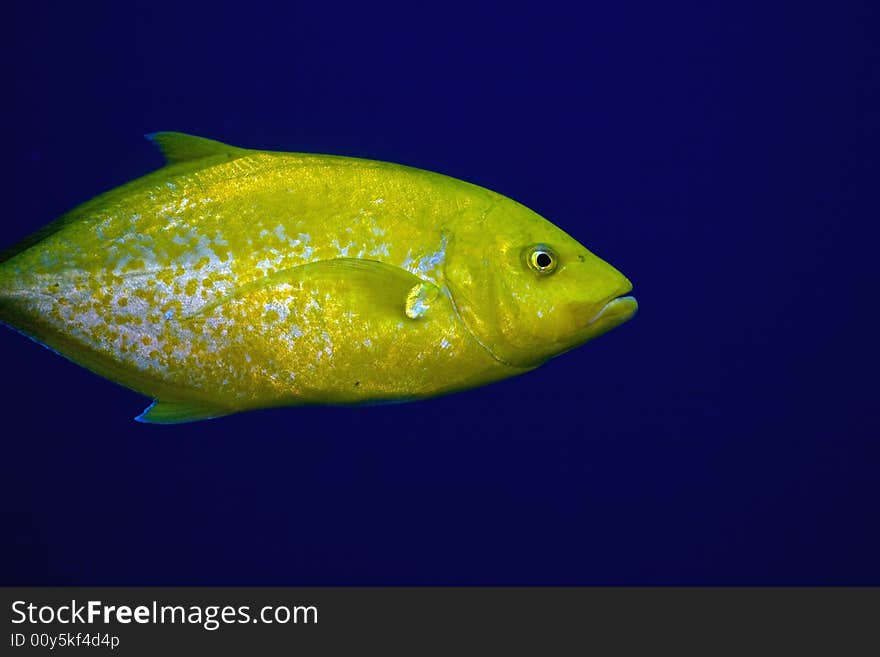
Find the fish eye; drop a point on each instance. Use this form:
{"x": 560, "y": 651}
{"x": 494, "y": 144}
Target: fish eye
{"x": 542, "y": 259}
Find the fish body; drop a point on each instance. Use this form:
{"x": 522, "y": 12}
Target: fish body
{"x": 234, "y": 279}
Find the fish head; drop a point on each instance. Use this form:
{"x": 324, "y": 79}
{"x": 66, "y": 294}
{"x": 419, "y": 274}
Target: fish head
{"x": 528, "y": 291}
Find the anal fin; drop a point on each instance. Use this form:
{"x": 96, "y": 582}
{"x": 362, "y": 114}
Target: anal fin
{"x": 169, "y": 412}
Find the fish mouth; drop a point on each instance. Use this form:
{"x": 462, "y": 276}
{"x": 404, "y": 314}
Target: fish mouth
{"x": 619, "y": 307}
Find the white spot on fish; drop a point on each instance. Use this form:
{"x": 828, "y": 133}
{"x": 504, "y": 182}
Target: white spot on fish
{"x": 328, "y": 346}
{"x": 429, "y": 262}
{"x": 382, "y": 249}
{"x": 265, "y": 264}
{"x": 417, "y": 309}
{"x": 408, "y": 261}
{"x": 341, "y": 250}
{"x": 444, "y": 343}
{"x": 278, "y": 307}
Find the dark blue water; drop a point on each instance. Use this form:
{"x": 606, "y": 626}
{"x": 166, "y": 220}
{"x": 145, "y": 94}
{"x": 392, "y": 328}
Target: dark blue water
{"x": 728, "y": 434}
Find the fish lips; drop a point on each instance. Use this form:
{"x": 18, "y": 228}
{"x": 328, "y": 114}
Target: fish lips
{"x": 614, "y": 313}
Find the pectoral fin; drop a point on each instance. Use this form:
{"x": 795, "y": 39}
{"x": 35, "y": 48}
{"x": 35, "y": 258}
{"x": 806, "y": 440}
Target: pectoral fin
{"x": 377, "y": 284}
{"x": 167, "y": 412}
{"x": 419, "y": 299}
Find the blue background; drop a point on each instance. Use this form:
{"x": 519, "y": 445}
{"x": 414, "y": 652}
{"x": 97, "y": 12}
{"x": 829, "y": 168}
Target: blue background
{"x": 727, "y": 435}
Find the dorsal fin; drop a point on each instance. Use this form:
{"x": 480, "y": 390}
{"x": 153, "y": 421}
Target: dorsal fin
{"x": 180, "y": 147}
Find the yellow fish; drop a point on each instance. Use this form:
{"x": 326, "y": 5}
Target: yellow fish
{"x": 235, "y": 279}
